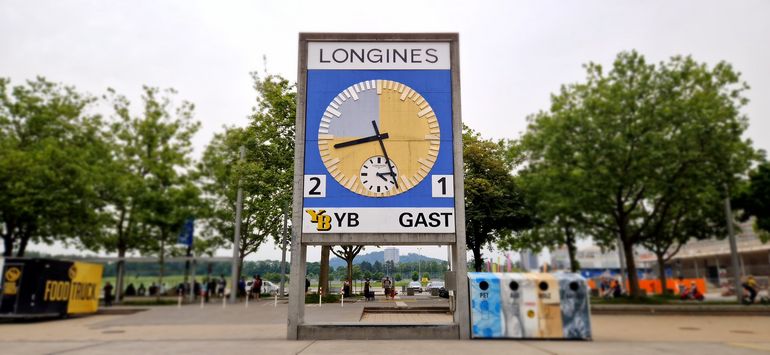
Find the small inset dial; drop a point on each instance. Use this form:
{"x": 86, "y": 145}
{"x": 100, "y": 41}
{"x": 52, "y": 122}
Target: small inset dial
{"x": 379, "y": 176}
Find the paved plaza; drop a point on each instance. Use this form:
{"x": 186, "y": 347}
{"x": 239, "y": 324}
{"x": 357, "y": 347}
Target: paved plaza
{"x": 261, "y": 328}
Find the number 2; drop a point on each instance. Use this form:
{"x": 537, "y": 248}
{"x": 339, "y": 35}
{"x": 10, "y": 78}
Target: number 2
{"x": 314, "y": 190}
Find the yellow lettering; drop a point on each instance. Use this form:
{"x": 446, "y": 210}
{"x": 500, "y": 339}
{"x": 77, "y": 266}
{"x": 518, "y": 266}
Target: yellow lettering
{"x": 324, "y": 222}
{"x": 314, "y": 215}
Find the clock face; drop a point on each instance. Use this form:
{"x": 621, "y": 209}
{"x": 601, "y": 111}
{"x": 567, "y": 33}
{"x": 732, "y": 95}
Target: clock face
{"x": 376, "y": 176}
{"x": 371, "y": 123}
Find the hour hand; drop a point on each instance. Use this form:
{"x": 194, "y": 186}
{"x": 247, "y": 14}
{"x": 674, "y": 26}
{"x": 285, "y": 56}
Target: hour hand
{"x": 382, "y": 175}
{"x": 373, "y": 138}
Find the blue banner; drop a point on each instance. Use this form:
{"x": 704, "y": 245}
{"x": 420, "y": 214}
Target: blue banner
{"x": 186, "y": 234}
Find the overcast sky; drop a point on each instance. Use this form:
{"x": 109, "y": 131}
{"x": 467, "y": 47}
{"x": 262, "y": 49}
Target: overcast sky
{"x": 513, "y": 53}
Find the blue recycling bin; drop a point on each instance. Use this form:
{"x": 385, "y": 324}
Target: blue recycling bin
{"x": 574, "y": 297}
{"x": 486, "y": 308}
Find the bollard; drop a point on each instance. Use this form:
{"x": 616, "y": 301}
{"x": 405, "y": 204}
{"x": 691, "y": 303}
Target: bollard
{"x": 247, "y": 299}
{"x": 276, "y": 301}
{"x": 202, "y": 298}
{"x": 342, "y": 300}
{"x": 320, "y": 292}
{"x": 224, "y": 302}
{"x": 179, "y": 301}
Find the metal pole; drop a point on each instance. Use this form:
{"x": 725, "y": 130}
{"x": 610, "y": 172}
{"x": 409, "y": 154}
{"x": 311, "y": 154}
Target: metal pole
{"x": 449, "y": 257}
{"x": 283, "y": 253}
{"x": 192, "y": 284}
{"x": 187, "y": 270}
{"x": 419, "y": 265}
{"x": 733, "y": 249}
{"x": 237, "y": 236}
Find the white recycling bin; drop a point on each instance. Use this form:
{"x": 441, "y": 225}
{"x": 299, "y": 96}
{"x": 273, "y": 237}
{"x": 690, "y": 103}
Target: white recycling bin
{"x": 575, "y": 305}
{"x": 519, "y": 303}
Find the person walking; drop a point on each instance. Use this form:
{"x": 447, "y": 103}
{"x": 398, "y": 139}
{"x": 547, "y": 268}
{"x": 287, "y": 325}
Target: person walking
{"x": 221, "y": 285}
{"x": 386, "y": 284}
{"x": 256, "y": 287}
{"x": 751, "y": 286}
{"x": 241, "y": 287}
{"x": 108, "y": 294}
{"x": 307, "y": 285}
{"x": 205, "y": 290}
{"x": 367, "y": 287}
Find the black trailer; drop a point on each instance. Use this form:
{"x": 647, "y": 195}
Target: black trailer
{"x": 36, "y": 287}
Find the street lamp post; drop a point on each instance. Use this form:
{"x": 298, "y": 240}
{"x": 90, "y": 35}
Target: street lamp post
{"x": 419, "y": 265}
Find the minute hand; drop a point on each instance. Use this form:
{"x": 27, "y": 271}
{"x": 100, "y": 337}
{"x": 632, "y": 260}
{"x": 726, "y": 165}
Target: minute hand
{"x": 377, "y": 137}
{"x": 385, "y": 153}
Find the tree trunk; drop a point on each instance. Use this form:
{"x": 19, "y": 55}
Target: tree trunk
{"x": 119, "y": 277}
{"x": 23, "y": 245}
{"x": 350, "y": 272}
{"x": 477, "y": 262}
{"x": 662, "y": 273}
{"x": 633, "y": 278}
{"x": 571, "y": 250}
{"x": 323, "y": 277}
{"x": 8, "y": 242}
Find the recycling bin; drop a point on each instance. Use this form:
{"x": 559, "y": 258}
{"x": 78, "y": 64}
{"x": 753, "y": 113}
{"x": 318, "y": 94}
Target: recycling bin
{"x": 575, "y": 305}
{"x": 36, "y": 287}
{"x": 548, "y": 309}
{"x": 486, "y": 314}
{"x": 519, "y": 303}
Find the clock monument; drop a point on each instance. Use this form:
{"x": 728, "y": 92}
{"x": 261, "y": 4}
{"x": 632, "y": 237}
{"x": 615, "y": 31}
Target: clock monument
{"x": 378, "y": 158}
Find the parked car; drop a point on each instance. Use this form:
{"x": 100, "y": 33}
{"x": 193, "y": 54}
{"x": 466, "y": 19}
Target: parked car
{"x": 434, "y": 285}
{"x": 267, "y": 287}
{"x": 415, "y": 286}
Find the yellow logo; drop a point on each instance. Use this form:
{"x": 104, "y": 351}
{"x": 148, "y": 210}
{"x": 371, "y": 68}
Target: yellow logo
{"x": 323, "y": 221}
{"x": 73, "y": 271}
{"x": 531, "y": 314}
{"x": 12, "y": 274}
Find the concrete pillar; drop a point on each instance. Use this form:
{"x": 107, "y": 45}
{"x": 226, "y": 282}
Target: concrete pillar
{"x": 297, "y": 288}
{"x": 697, "y": 273}
{"x": 462, "y": 301}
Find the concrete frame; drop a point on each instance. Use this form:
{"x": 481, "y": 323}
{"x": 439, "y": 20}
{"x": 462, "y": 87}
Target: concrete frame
{"x": 297, "y": 329}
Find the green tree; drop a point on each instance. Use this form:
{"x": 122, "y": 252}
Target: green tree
{"x": 494, "y": 204}
{"x": 223, "y": 172}
{"x": 265, "y": 174}
{"x": 754, "y": 200}
{"x": 415, "y": 276}
{"x": 348, "y": 253}
{"x": 618, "y": 150}
{"x": 397, "y": 277}
{"x": 52, "y": 150}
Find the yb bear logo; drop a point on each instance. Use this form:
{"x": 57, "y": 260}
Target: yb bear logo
{"x": 323, "y": 221}
{"x": 12, "y": 274}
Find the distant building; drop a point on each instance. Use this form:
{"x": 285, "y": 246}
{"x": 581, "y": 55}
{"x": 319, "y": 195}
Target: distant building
{"x": 710, "y": 258}
{"x": 529, "y": 260}
{"x": 595, "y": 262}
{"x": 391, "y": 254}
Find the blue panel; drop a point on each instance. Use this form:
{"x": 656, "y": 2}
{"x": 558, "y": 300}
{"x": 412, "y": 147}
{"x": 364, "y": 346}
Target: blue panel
{"x": 323, "y": 85}
{"x": 486, "y": 311}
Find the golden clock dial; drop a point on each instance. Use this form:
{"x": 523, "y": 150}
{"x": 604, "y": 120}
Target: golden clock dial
{"x": 379, "y": 118}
